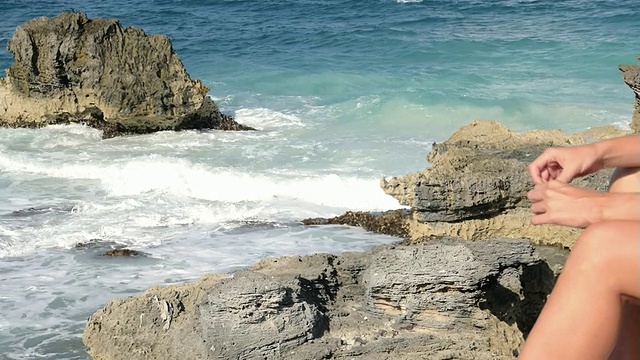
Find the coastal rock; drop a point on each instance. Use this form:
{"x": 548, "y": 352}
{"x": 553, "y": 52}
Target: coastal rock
{"x": 392, "y": 223}
{"x": 632, "y": 79}
{"x": 443, "y": 299}
{"x": 123, "y": 253}
{"x": 477, "y": 184}
{"x": 71, "y": 68}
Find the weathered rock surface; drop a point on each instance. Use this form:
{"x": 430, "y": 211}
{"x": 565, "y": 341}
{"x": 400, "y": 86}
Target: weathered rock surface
{"x": 632, "y": 79}
{"x": 392, "y": 223}
{"x": 477, "y": 184}
{"x": 74, "y": 69}
{"x": 401, "y": 223}
{"x": 444, "y": 299}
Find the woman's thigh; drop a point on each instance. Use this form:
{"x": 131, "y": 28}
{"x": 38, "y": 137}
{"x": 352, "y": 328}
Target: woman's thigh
{"x": 611, "y": 251}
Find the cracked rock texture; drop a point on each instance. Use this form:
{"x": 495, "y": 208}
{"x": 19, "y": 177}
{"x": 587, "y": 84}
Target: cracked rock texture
{"x": 632, "y": 79}
{"x": 443, "y": 299}
{"x": 118, "y": 79}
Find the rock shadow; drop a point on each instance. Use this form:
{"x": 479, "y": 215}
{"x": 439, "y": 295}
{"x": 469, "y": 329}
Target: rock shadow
{"x": 519, "y": 307}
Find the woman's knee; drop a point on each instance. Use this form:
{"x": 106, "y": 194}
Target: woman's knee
{"x": 608, "y": 252}
{"x": 625, "y": 180}
{"x": 593, "y": 250}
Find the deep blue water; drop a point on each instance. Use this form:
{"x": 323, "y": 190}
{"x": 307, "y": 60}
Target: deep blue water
{"x": 527, "y": 63}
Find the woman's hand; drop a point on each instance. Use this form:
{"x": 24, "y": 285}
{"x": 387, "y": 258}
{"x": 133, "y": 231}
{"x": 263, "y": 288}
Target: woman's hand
{"x": 555, "y": 202}
{"x": 565, "y": 164}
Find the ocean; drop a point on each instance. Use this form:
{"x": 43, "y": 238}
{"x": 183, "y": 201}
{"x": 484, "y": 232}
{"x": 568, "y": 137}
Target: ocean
{"x": 342, "y": 93}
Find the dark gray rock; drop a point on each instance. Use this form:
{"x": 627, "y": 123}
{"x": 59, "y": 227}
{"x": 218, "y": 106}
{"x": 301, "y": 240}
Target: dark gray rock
{"x": 441, "y": 299}
{"x": 254, "y": 316}
{"x": 118, "y": 79}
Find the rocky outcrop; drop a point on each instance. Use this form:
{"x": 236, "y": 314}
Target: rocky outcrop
{"x": 74, "y": 69}
{"x": 445, "y": 299}
{"x": 392, "y": 222}
{"x": 632, "y": 79}
{"x": 477, "y": 184}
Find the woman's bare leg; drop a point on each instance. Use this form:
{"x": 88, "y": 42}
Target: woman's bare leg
{"x": 580, "y": 295}
{"x": 627, "y": 180}
{"x": 582, "y": 315}
{"x": 627, "y": 343}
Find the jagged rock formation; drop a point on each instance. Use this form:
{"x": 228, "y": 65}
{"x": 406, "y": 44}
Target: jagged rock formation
{"x": 74, "y": 69}
{"x": 477, "y": 184}
{"x": 632, "y": 79}
{"x": 445, "y": 299}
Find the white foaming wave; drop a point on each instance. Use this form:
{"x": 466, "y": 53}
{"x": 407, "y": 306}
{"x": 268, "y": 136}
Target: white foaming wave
{"x": 367, "y": 101}
{"x": 153, "y": 218}
{"x": 22, "y": 164}
{"x": 623, "y": 125}
{"x": 218, "y": 214}
{"x": 13, "y": 243}
{"x": 75, "y": 129}
{"x": 180, "y": 177}
{"x": 408, "y": 1}
{"x": 263, "y": 118}
{"x": 53, "y": 136}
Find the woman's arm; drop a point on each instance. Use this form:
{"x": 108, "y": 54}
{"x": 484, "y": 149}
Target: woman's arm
{"x": 618, "y": 206}
{"x": 558, "y": 203}
{"x": 566, "y": 163}
{"x": 619, "y": 152}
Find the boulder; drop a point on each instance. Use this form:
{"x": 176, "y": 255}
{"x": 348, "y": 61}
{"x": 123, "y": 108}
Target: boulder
{"x": 477, "y": 183}
{"x": 443, "y": 299}
{"x": 632, "y": 79}
{"x": 71, "y": 68}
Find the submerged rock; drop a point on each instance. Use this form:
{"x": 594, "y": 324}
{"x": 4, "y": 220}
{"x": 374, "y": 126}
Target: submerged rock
{"x": 71, "y": 68}
{"x": 123, "y": 252}
{"x": 447, "y": 298}
{"x": 107, "y": 248}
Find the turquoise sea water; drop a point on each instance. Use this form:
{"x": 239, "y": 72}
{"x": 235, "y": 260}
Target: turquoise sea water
{"x": 343, "y": 93}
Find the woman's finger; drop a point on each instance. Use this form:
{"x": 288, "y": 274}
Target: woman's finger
{"x": 534, "y": 195}
{"x": 566, "y": 175}
{"x": 545, "y": 175}
{"x": 534, "y": 172}
{"x": 538, "y": 192}
{"x": 540, "y": 219}
{"x": 538, "y": 208}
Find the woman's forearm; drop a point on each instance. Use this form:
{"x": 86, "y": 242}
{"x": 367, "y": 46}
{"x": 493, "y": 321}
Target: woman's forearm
{"x": 619, "y": 152}
{"x": 618, "y": 206}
